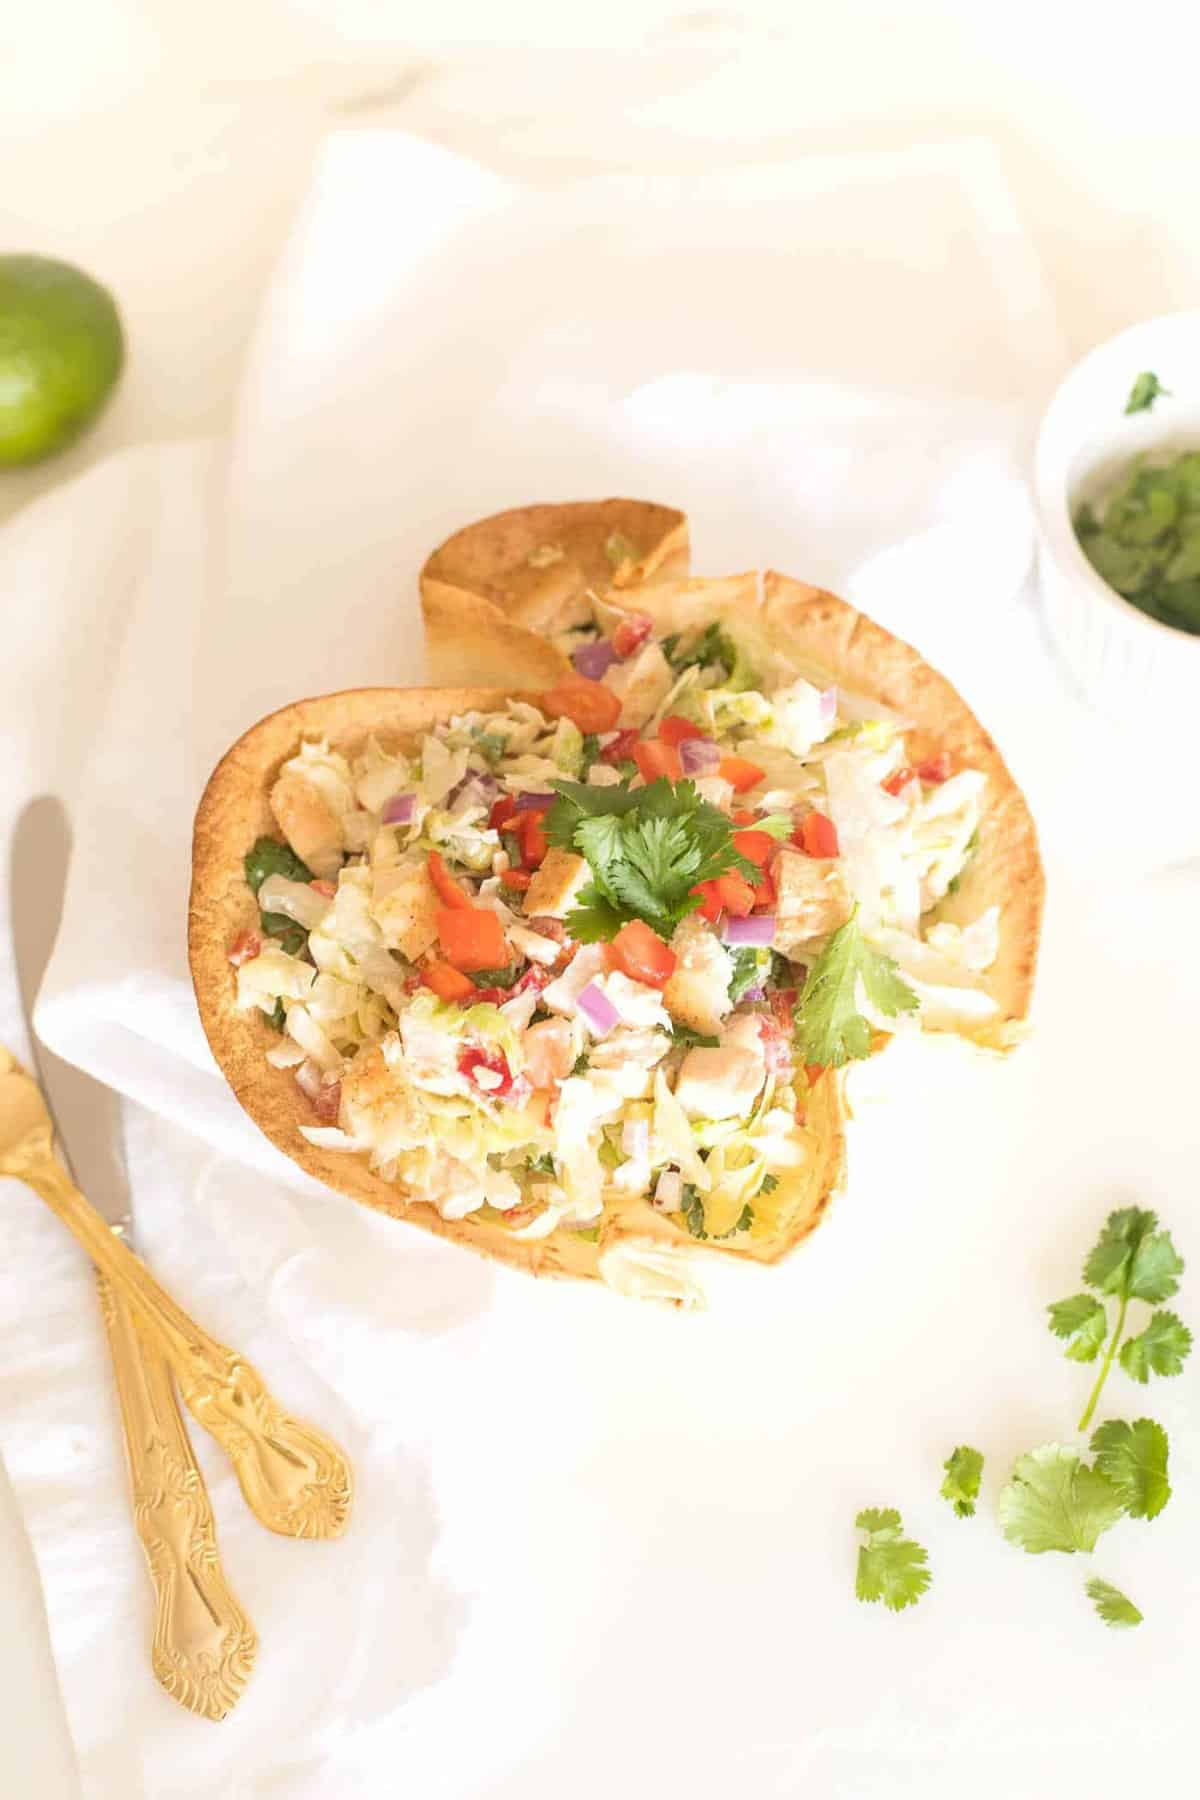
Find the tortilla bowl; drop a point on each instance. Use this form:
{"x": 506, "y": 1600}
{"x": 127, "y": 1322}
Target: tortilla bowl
{"x": 233, "y": 812}
{"x": 493, "y": 593}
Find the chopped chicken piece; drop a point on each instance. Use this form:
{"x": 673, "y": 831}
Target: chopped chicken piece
{"x": 697, "y": 993}
{"x": 405, "y": 903}
{"x": 720, "y": 1084}
{"x": 811, "y": 899}
{"x": 555, "y": 888}
{"x": 642, "y": 684}
{"x": 309, "y": 823}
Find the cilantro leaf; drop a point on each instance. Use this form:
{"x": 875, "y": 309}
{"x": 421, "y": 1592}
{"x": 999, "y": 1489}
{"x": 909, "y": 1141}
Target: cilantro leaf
{"x": 768, "y": 1184}
{"x": 691, "y": 1039}
{"x": 1134, "y": 1459}
{"x": 267, "y": 856}
{"x": 891, "y": 1567}
{"x": 500, "y": 978}
{"x": 829, "y": 1027}
{"x": 581, "y": 1063}
{"x": 692, "y": 1208}
{"x": 278, "y": 1018}
{"x": 1056, "y": 1502}
{"x": 712, "y": 646}
{"x": 1159, "y": 1350}
{"x": 647, "y": 849}
{"x": 290, "y": 937}
{"x": 588, "y": 754}
{"x": 1133, "y": 1259}
{"x": 1084, "y": 1321}
{"x": 1114, "y": 1607}
{"x": 748, "y": 972}
{"x": 1144, "y": 392}
{"x": 541, "y": 1165}
{"x": 964, "y": 1469}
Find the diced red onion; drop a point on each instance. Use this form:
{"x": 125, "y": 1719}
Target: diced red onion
{"x": 755, "y": 993}
{"x": 400, "y": 809}
{"x": 308, "y": 1080}
{"x": 597, "y": 1008}
{"x": 595, "y": 659}
{"x": 758, "y": 929}
{"x": 669, "y": 1192}
{"x": 699, "y": 756}
{"x": 635, "y": 1139}
{"x": 827, "y": 706}
{"x": 532, "y": 802}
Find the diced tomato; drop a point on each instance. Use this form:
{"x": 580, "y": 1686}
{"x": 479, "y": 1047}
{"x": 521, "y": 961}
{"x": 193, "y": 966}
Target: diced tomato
{"x": 516, "y": 878}
{"x": 632, "y": 633}
{"x": 737, "y": 896}
{"x": 326, "y": 889}
{"x": 745, "y": 818}
{"x": 740, "y": 774}
{"x": 813, "y": 1073}
{"x": 471, "y": 938}
{"x": 588, "y": 704}
{"x": 674, "y": 729}
{"x": 493, "y": 1063}
{"x": 755, "y": 846}
{"x": 776, "y": 1043}
{"x": 502, "y": 811}
{"x": 654, "y": 759}
{"x": 817, "y": 835}
{"x": 532, "y": 839}
{"x": 449, "y": 892}
{"x": 641, "y": 954}
{"x": 710, "y": 901}
{"x": 244, "y": 948}
{"x": 935, "y": 769}
{"x": 445, "y": 982}
{"x": 896, "y": 784}
{"x": 621, "y": 748}
{"x": 764, "y": 892}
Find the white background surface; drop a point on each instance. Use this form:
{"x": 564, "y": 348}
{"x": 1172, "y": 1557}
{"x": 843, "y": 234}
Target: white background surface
{"x": 165, "y": 148}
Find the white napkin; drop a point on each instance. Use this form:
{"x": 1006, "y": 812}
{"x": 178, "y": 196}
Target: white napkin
{"x": 832, "y": 366}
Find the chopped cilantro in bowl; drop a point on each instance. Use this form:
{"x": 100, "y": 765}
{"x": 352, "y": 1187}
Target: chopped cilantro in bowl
{"x": 1143, "y": 538}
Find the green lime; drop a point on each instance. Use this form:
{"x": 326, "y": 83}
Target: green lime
{"x": 61, "y": 350}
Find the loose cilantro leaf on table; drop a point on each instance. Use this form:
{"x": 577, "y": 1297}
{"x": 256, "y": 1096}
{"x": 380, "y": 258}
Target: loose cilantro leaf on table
{"x": 891, "y": 1567}
{"x": 1083, "y": 1321}
{"x": 1144, "y": 392}
{"x": 1159, "y": 1350}
{"x": 964, "y": 1469}
{"x": 647, "y": 849}
{"x": 830, "y": 1029}
{"x": 1131, "y": 1260}
{"x": 1134, "y": 1459}
{"x": 1114, "y": 1607}
{"x": 1055, "y": 1501}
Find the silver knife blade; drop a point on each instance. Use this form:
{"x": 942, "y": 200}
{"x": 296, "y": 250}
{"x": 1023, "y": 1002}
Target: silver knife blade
{"x": 86, "y": 1114}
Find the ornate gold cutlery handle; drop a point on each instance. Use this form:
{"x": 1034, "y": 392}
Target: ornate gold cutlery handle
{"x": 204, "y": 1645}
{"x": 295, "y": 1479}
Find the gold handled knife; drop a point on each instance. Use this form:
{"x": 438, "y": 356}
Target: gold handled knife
{"x": 203, "y": 1646}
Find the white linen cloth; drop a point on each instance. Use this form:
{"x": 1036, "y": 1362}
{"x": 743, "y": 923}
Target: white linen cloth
{"x": 599, "y": 1545}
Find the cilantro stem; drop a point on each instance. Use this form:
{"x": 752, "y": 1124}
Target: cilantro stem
{"x": 1106, "y": 1365}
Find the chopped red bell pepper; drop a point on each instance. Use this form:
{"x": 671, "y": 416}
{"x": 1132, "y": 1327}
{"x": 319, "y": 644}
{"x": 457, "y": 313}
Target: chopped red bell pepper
{"x": 588, "y": 704}
{"x": 817, "y": 836}
{"x": 502, "y": 811}
{"x": 446, "y": 982}
{"x": 474, "y": 1058}
{"x": 710, "y": 901}
{"x": 631, "y": 634}
{"x": 654, "y": 759}
{"x": 641, "y": 954}
{"x": 755, "y": 846}
{"x": 737, "y": 896}
{"x": 449, "y": 891}
{"x": 621, "y": 748}
{"x": 739, "y": 773}
{"x": 896, "y": 784}
{"x": 471, "y": 938}
{"x": 532, "y": 839}
{"x": 675, "y": 729}
{"x": 516, "y": 878}
{"x": 935, "y": 769}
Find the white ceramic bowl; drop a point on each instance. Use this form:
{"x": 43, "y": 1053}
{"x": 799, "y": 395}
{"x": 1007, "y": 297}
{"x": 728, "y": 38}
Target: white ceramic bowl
{"x": 1125, "y": 661}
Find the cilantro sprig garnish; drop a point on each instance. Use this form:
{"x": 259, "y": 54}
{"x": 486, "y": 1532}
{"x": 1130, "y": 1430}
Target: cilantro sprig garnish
{"x": 1131, "y": 1260}
{"x": 647, "y": 848}
{"x": 692, "y": 1209}
{"x": 891, "y": 1567}
{"x": 830, "y": 1030}
{"x": 1144, "y": 392}
{"x": 964, "y": 1471}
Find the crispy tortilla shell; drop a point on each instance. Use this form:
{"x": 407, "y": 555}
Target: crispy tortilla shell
{"x": 232, "y": 814}
{"x": 493, "y": 593}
